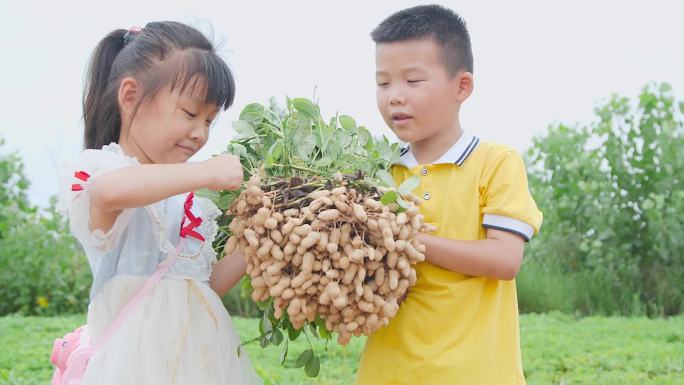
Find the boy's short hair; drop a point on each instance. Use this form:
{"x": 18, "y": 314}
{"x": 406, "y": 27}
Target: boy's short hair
{"x": 435, "y": 22}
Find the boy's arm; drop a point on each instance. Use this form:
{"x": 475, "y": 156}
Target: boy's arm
{"x": 506, "y": 197}
{"x": 227, "y": 273}
{"x": 498, "y": 257}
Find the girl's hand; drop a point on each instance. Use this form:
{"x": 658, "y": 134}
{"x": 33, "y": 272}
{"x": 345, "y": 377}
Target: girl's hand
{"x": 224, "y": 171}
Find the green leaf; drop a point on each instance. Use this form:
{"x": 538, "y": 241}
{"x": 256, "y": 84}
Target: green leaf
{"x": 344, "y": 138}
{"x": 402, "y": 203}
{"x": 327, "y": 135}
{"x": 276, "y": 337}
{"x": 264, "y": 341}
{"x": 323, "y": 134}
{"x": 283, "y": 354}
{"x": 409, "y": 185}
{"x": 313, "y": 367}
{"x": 303, "y": 122}
{"x": 209, "y": 194}
{"x": 265, "y": 325}
{"x": 396, "y": 154}
{"x": 389, "y": 197}
{"x": 306, "y": 107}
{"x": 274, "y": 321}
{"x": 366, "y": 139}
{"x": 293, "y": 333}
{"x": 262, "y": 305}
{"x": 306, "y": 148}
{"x": 324, "y": 162}
{"x": 384, "y": 147}
{"x": 224, "y": 201}
{"x": 272, "y": 117}
{"x": 323, "y": 331}
{"x": 274, "y": 153}
{"x": 347, "y": 123}
{"x": 386, "y": 178}
{"x": 246, "y": 287}
{"x": 304, "y": 358}
{"x": 244, "y": 129}
{"x": 252, "y": 112}
{"x": 237, "y": 149}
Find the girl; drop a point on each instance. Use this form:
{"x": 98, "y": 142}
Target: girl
{"x": 151, "y": 96}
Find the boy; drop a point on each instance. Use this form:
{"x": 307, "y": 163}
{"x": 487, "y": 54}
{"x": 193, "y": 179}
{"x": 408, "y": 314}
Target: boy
{"x": 459, "y": 323}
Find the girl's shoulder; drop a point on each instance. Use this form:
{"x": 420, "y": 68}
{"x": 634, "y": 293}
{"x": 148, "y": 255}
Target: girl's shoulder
{"x": 109, "y": 156}
{"x": 74, "y": 181}
{"x": 75, "y": 177}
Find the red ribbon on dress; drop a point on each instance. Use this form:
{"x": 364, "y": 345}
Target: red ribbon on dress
{"x": 194, "y": 222}
{"x": 82, "y": 175}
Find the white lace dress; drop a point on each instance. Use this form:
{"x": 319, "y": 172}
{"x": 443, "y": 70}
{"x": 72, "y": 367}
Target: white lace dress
{"x": 181, "y": 333}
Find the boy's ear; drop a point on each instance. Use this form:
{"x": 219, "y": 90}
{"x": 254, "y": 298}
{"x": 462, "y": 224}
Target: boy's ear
{"x": 129, "y": 92}
{"x": 465, "y": 84}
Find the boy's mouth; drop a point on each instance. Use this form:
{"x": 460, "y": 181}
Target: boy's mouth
{"x": 400, "y": 117}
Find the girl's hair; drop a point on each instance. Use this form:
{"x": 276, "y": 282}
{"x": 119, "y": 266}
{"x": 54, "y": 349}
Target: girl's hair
{"x": 160, "y": 54}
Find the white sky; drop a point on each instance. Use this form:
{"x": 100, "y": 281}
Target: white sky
{"x": 536, "y": 62}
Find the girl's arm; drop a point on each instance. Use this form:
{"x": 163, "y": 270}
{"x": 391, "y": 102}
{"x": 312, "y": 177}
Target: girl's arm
{"x": 499, "y": 256}
{"x": 227, "y": 273}
{"x": 140, "y": 185}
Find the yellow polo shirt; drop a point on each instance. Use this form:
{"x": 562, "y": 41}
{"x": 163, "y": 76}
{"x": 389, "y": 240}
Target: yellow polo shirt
{"x": 454, "y": 328}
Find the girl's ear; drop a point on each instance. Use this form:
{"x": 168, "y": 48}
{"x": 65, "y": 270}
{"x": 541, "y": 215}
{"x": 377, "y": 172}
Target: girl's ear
{"x": 464, "y": 85}
{"x": 129, "y": 92}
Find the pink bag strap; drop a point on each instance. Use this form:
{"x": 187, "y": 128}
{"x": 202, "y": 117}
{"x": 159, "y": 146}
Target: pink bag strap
{"x": 161, "y": 270}
{"x": 140, "y": 295}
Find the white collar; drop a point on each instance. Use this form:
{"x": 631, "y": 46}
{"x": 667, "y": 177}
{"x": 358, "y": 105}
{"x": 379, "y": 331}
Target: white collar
{"x": 457, "y": 154}
{"x": 116, "y": 148}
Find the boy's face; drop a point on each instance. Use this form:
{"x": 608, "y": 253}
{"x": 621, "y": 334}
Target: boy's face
{"x": 416, "y": 96}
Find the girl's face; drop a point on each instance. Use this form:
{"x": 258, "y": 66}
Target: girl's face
{"x": 169, "y": 127}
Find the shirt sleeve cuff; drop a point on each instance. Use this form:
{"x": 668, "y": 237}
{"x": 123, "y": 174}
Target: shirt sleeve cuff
{"x": 512, "y": 225}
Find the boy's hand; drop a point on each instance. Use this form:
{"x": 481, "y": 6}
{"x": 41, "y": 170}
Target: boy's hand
{"x": 224, "y": 172}
{"x": 403, "y": 297}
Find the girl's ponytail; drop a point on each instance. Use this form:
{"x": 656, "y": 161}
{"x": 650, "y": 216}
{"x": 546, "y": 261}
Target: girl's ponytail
{"x": 100, "y": 110}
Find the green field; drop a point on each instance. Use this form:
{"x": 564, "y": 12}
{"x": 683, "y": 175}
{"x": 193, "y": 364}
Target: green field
{"x": 557, "y": 349}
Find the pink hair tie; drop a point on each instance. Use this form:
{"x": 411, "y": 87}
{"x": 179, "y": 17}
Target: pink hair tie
{"x": 131, "y": 34}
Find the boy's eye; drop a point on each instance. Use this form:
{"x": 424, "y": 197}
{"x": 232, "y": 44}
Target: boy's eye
{"x": 415, "y": 80}
{"x": 190, "y": 114}
{"x": 382, "y": 84}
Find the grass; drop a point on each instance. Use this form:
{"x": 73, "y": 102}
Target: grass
{"x": 587, "y": 292}
{"x": 557, "y": 349}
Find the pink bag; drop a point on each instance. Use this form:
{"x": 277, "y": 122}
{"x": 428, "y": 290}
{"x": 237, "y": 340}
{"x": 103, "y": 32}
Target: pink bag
{"x": 70, "y": 356}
